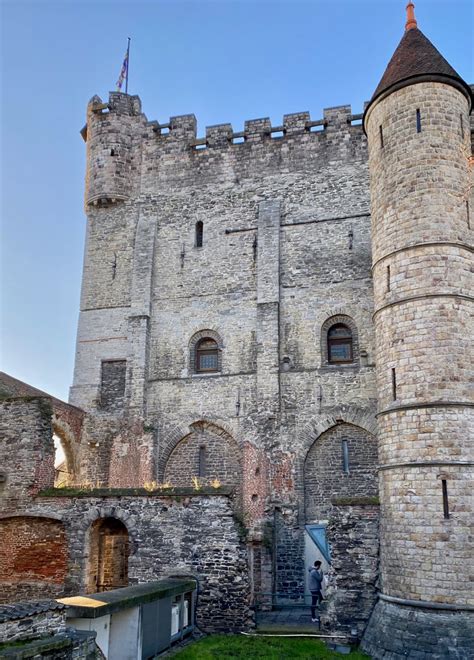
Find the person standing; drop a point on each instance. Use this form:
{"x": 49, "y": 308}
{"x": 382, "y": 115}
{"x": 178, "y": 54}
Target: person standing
{"x": 314, "y": 584}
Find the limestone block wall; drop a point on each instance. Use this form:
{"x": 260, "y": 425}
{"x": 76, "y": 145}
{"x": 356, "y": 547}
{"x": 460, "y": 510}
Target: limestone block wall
{"x": 423, "y": 283}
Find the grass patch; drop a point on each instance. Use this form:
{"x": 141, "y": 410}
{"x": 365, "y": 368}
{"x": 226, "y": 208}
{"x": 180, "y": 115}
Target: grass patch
{"x": 223, "y": 647}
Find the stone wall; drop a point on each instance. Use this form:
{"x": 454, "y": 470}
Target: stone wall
{"x": 325, "y": 476}
{"x": 353, "y": 533}
{"x": 174, "y": 535}
{"x": 31, "y": 620}
{"x": 26, "y": 448}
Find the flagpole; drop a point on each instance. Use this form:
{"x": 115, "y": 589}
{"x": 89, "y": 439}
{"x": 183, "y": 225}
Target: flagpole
{"x": 128, "y": 65}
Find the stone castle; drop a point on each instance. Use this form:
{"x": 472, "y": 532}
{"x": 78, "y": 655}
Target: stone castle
{"x": 273, "y": 363}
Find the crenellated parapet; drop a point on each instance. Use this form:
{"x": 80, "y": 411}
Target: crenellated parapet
{"x": 119, "y": 136}
{"x": 184, "y": 128}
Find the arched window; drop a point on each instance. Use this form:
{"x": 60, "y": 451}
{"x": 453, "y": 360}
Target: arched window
{"x": 339, "y": 344}
{"x": 199, "y": 233}
{"x": 207, "y": 356}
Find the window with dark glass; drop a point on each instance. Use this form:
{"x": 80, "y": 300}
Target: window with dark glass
{"x": 339, "y": 344}
{"x": 199, "y": 233}
{"x": 207, "y": 356}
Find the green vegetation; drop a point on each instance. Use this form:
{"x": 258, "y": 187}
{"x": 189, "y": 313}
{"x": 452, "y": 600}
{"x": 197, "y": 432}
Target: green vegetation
{"x": 223, "y": 647}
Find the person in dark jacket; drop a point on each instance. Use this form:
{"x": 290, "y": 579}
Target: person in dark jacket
{"x": 314, "y": 584}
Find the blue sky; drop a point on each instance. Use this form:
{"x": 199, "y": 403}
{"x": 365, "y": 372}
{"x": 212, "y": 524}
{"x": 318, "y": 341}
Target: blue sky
{"x": 225, "y": 61}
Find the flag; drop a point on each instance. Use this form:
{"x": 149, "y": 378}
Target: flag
{"x": 123, "y": 72}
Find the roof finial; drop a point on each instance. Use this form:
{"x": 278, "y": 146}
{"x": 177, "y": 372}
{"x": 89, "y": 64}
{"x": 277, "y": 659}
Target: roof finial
{"x": 411, "y": 20}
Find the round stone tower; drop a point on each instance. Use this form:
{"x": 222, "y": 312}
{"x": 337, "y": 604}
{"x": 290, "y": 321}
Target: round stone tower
{"x": 417, "y": 125}
{"x": 109, "y": 134}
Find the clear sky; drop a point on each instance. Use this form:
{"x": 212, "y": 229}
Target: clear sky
{"x": 223, "y": 60}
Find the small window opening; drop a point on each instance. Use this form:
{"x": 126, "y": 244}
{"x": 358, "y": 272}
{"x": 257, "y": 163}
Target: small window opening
{"x": 345, "y": 456}
{"x": 207, "y": 356}
{"x": 468, "y": 215}
{"x": 388, "y": 278}
{"x": 462, "y": 126}
{"x": 381, "y": 136}
{"x": 418, "y": 121}
{"x": 202, "y": 461}
{"x": 199, "y": 233}
{"x": 339, "y": 344}
{"x": 238, "y": 140}
{"x": 112, "y": 152}
{"x": 444, "y": 486}
{"x": 254, "y": 497}
{"x": 257, "y": 471}
{"x": 394, "y": 384}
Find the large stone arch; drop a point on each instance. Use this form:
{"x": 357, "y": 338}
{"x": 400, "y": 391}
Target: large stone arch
{"x": 33, "y": 557}
{"x": 326, "y": 476}
{"x": 222, "y": 456}
{"x": 70, "y": 445}
{"x": 177, "y": 433}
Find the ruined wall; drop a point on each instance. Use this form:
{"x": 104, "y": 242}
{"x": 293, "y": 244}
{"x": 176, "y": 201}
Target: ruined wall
{"x": 33, "y": 557}
{"x": 26, "y": 448}
{"x": 353, "y": 533}
{"x": 175, "y": 535}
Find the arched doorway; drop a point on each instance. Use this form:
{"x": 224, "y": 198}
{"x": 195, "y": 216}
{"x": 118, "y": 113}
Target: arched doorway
{"x": 108, "y": 555}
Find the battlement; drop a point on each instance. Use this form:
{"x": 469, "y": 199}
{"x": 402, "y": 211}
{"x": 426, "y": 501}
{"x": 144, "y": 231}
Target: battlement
{"x": 118, "y": 134}
{"x": 255, "y": 130}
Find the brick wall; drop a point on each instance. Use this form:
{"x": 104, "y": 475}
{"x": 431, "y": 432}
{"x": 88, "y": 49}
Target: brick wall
{"x": 33, "y": 557}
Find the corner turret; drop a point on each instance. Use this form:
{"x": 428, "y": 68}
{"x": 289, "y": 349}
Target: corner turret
{"x": 419, "y": 147}
{"x": 109, "y": 136}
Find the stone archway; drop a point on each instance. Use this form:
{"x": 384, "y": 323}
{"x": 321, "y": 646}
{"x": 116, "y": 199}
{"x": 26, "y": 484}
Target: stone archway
{"x": 341, "y": 463}
{"x": 208, "y": 453}
{"x": 109, "y": 549}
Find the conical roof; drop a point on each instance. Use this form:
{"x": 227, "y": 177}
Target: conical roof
{"x": 415, "y": 56}
{"x": 417, "y": 60}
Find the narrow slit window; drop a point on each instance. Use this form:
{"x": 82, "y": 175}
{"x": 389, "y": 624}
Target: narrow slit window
{"x": 388, "y": 278}
{"x": 202, "y": 461}
{"x": 381, "y": 136}
{"x": 199, "y": 233}
{"x": 444, "y": 486}
{"x": 345, "y": 456}
{"x": 462, "y": 126}
{"x": 112, "y": 152}
{"x": 418, "y": 121}
{"x": 468, "y": 215}
{"x": 394, "y": 384}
